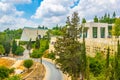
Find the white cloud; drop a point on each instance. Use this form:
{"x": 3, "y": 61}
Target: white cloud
{"x": 55, "y": 11}
{"x": 50, "y": 8}
{"x": 90, "y": 8}
{"x": 11, "y": 17}
{"x": 16, "y": 1}
{"x": 15, "y": 23}
{"x": 52, "y": 12}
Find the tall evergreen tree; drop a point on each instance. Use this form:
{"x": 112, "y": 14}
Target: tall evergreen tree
{"x": 70, "y": 51}
{"x": 83, "y": 58}
{"x": 83, "y": 20}
{"x": 117, "y": 63}
{"x": 68, "y": 48}
{"x": 7, "y": 47}
{"x": 14, "y": 47}
{"x": 114, "y": 14}
{"x": 107, "y": 65}
{"x": 95, "y": 19}
{"x": 29, "y": 45}
{"x": 37, "y": 43}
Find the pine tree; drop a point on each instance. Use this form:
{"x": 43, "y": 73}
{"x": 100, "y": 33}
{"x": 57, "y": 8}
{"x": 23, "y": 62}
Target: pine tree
{"x": 68, "y": 48}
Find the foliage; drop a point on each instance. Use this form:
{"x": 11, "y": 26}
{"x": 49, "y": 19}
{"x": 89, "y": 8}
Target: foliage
{"x": 2, "y": 37}
{"x": 117, "y": 63}
{"x": 83, "y": 20}
{"x": 56, "y": 31}
{"x": 14, "y": 46}
{"x": 116, "y": 28}
{"x": 15, "y": 77}
{"x": 13, "y": 34}
{"x": 37, "y": 43}
{"x": 95, "y": 66}
{"x": 29, "y": 45}
{"x": 95, "y": 19}
{"x": 68, "y": 49}
{"x": 7, "y": 47}
{"x": 23, "y": 42}
{"x": 19, "y": 50}
{"x": 4, "y": 72}
{"x": 36, "y": 54}
{"x": 28, "y": 63}
{"x": 2, "y": 50}
{"x": 44, "y": 45}
{"x": 107, "y": 19}
{"x": 50, "y": 55}
{"x": 11, "y": 70}
{"x": 108, "y": 64}
{"x": 42, "y": 27}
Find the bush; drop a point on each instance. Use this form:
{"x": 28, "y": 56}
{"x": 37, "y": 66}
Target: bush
{"x": 19, "y": 50}
{"x": 11, "y": 70}
{"x": 28, "y": 63}
{"x": 50, "y": 55}
{"x": 36, "y": 54}
{"x": 14, "y": 78}
{"x": 4, "y": 72}
{"x": 2, "y": 50}
{"x": 23, "y": 42}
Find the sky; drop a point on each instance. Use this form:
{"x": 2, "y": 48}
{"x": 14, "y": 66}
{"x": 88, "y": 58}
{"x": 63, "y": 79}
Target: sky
{"x": 16, "y": 14}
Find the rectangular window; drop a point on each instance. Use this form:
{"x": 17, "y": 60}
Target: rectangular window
{"x": 94, "y": 30}
{"x": 109, "y": 30}
{"x": 102, "y": 32}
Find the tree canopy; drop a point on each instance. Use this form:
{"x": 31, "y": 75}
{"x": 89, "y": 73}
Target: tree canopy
{"x": 116, "y": 28}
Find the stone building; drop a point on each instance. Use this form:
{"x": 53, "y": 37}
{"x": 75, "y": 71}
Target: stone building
{"x": 98, "y": 30}
{"x": 98, "y": 38}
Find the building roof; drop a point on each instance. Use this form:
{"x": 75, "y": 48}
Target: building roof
{"x": 31, "y": 33}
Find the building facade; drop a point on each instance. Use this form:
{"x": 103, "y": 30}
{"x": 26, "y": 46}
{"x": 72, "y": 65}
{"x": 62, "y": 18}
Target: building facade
{"x": 98, "y": 30}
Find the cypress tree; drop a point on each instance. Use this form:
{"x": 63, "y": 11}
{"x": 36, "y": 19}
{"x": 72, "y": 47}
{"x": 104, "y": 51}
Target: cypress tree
{"x": 37, "y": 43}
{"x": 95, "y": 19}
{"x": 107, "y": 65}
{"x": 29, "y": 45}
{"x": 14, "y": 47}
{"x": 83, "y": 20}
{"x": 117, "y": 62}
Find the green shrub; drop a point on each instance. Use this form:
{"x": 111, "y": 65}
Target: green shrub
{"x": 2, "y": 50}
{"x": 36, "y": 54}
{"x": 28, "y": 63}
{"x": 12, "y": 70}
{"x": 4, "y": 72}
{"x": 15, "y": 77}
{"x": 50, "y": 55}
{"x": 19, "y": 50}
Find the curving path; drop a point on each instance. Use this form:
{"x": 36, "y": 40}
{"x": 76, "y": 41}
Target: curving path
{"x": 52, "y": 73}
